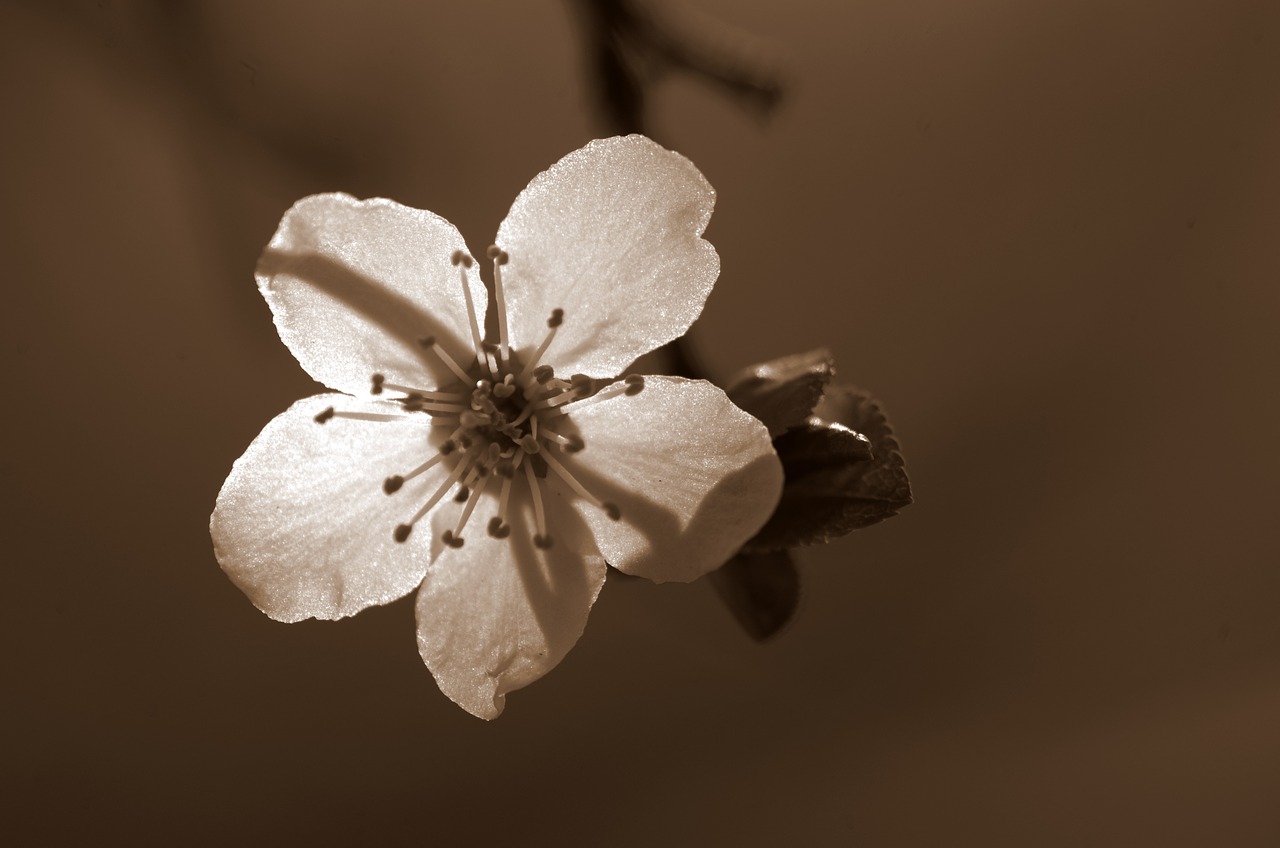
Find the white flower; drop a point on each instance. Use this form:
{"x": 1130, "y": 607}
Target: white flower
{"x": 499, "y": 477}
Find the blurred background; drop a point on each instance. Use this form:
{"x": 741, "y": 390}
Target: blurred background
{"x": 1043, "y": 234}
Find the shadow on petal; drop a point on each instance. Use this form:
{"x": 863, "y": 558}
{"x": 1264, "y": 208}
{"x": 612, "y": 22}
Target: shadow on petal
{"x": 395, "y": 315}
{"x": 655, "y": 541}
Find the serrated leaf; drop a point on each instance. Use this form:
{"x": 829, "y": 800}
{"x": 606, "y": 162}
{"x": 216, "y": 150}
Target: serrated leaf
{"x": 818, "y": 445}
{"x": 824, "y": 500}
{"x": 783, "y": 392}
{"x": 762, "y": 590}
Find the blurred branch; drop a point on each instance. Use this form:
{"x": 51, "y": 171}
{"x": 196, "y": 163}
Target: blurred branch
{"x": 629, "y": 46}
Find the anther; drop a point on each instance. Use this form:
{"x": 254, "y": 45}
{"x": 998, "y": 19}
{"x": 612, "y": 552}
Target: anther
{"x": 392, "y": 484}
{"x": 402, "y": 532}
{"x": 541, "y": 542}
{"x": 556, "y": 319}
{"x": 611, "y": 510}
{"x": 530, "y": 444}
{"x": 635, "y": 384}
{"x": 496, "y": 253}
{"x": 497, "y": 529}
{"x": 325, "y": 416}
{"x": 451, "y": 540}
{"x": 463, "y": 494}
{"x": 376, "y": 388}
{"x": 543, "y": 373}
{"x": 448, "y": 447}
{"x": 460, "y": 258}
{"x": 506, "y": 388}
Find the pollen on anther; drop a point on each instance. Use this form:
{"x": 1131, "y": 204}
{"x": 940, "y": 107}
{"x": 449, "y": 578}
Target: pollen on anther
{"x": 611, "y": 510}
{"x": 448, "y": 448}
{"x": 497, "y": 529}
{"x": 392, "y": 484}
{"x": 556, "y": 319}
{"x": 402, "y": 532}
{"x": 462, "y": 495}
{"x": 543, "y": 373}
{"x": 574, "y": 444}
{"x": 451, "y": 540}
{"x": 325, "y": 416}
{"x": 495, "y": 252}
{"x": 530, "y": 444}
{"x": 427, "y": 341}
{"x": 376, "y": 388}
{"x": 635, "y": 384}
{"x": 542, "y": 542}
{"x": 460, "y": 258}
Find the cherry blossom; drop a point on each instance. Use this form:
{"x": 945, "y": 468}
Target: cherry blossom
{"x": 495, "y": 472}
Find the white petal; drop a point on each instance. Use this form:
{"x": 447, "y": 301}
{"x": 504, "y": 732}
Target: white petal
{"x": 611, "y": 234}
{"x": 693, "y": 475}
{"x": 355, "y": 284}
{"x": 497, "y": 614}
{"x": 302, "y": 524}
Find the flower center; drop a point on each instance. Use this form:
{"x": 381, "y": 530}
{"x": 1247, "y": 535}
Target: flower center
{"x": 506, "y": 420}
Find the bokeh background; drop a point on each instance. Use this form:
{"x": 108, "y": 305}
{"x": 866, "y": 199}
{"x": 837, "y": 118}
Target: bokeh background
{"x": 1043, "y": 233}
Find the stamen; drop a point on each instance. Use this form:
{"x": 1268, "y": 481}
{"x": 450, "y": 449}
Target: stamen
{"x": 432, "y": 406}
{"x": 610, "y": 391}
{"x": 554, "y": 322}
{"x": 540, "y": 539}
{"x": 498, "y": 526}
{"x": 463, "y": 262}
{"x": 402, "y": 532}
{"x": 611, "y": 509}
{"x": 467, "y": 510}
{"x": 356, "y": 416}
{"x": 424, "y": 467}
{"x": 567, "y": 396}
{"x": 572, "y": 444}
{"x": 422, "y": 394}
{"x": 499, "y": 257}
{"x": 429, "y": 342}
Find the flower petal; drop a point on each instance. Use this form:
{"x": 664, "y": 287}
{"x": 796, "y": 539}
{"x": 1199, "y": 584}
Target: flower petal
{"x": 497, "y": 614}
{"x": 302, "y": 524}
{"x": 693, "y": 476}
{"x": 611, "y": 234}
{"x": 355, "y": 284}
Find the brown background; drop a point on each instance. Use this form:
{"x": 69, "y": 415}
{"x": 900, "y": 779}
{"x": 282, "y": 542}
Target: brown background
{"x": 1042, "y": 232}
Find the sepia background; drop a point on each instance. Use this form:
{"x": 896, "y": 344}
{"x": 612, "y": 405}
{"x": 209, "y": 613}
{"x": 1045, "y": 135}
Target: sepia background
{"x": 1042, "y": 233}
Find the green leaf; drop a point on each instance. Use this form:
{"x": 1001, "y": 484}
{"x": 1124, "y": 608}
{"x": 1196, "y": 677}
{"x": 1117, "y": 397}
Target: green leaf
{"x": 783, "y": 392}
{"x": 762, "y": 590}
{"x": 830, "y": 489}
